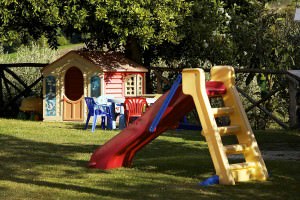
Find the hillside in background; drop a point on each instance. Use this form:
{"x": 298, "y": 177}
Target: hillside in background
{"x": 37, "y": 53}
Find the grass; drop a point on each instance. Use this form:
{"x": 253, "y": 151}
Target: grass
{"x": 40, "y": 160}
{"x": 71, "y": 46}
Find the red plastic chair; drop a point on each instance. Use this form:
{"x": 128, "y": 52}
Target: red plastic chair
{"x": 134, "y": 107}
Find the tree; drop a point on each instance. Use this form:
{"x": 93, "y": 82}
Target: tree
{"x": 242, "y": 33}
{"x": 134, "y": 24}
{"x": 29, "y": 19}
{"x": 248, "y": 34}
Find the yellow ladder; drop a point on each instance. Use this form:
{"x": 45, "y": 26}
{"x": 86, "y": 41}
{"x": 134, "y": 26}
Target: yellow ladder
{"x": 193, "y": 83}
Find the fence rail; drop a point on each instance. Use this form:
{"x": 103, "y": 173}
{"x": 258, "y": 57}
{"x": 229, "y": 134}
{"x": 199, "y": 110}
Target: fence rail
{"x": 13, "y": 87}
{"x": 292, "y": 108}
{"x": 9, "y": 99}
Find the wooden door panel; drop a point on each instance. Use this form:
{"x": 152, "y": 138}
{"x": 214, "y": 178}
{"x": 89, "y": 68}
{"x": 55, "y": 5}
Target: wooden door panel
{"x": 73, "y": 110}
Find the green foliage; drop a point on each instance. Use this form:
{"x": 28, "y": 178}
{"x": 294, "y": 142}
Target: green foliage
{"x": 246, "y": 34}
{"x": 28, "y": 19}
{"x": 149, "y": 22}
{"x": 108, "y": 22}
{"x": 250, "y": 33}
{"x": 62, "y": 40}
{"x": 34, "y": 52}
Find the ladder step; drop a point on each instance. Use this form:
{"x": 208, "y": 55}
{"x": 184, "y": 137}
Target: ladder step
{"x": 235, "y": 148}
{"x": 240, "y": 166}
{"x": 227, "y": 130}
{"x": 222, "y": 111}
{"x": 215, "y": 88}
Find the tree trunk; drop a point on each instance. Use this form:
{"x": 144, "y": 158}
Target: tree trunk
{"x": 134, "y": 52}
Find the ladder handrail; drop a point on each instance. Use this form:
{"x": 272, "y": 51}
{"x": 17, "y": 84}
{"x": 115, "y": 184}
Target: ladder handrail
{"x": 164, "y": 106}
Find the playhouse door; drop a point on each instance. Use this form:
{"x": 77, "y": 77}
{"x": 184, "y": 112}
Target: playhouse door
{"x": 73, "y": 95}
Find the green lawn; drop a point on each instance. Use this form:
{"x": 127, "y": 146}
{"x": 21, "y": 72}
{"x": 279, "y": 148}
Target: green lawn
{"x": 40, "y": 160}
{"x": 71, "y": 46}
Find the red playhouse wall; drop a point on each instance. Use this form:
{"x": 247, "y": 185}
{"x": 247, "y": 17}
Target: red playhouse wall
{"x": 114, "y": 83}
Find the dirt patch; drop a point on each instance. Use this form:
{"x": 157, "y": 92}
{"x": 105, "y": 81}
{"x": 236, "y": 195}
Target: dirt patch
{"x": 281, "y": 155}
{"x": 274, "y": 155}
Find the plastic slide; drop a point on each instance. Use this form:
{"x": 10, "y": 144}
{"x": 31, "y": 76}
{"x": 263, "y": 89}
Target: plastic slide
{"x": 120, "y": 150}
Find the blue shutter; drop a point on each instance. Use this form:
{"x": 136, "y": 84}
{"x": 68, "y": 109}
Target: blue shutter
{"x": 95, "y": 86}
{"x": 50, "y": 96}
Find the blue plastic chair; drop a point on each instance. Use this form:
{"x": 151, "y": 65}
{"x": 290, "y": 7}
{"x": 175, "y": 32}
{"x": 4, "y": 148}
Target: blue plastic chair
{"x": 96, "y": 110}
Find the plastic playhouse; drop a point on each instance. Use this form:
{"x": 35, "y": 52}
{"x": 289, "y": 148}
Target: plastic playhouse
{"x": 189, "y": 91}
{"x": 80, "y": 74}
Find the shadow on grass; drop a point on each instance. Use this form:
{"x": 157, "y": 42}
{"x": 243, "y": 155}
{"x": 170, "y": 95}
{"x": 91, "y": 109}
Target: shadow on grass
{"x": 175, "y": 158}
{"x": 157, "y": 169}
{"x": 187, "y": 135}
{"x": 21, "y": 154}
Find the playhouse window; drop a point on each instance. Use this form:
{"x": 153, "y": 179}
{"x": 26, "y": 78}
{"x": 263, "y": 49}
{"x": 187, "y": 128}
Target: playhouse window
{"x": 134, "y": 85}
{"x": 95, "y": 86}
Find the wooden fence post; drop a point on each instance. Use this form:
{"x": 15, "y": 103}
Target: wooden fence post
{"x": 1, "y": 88}
{"x": 294, "y": 93}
